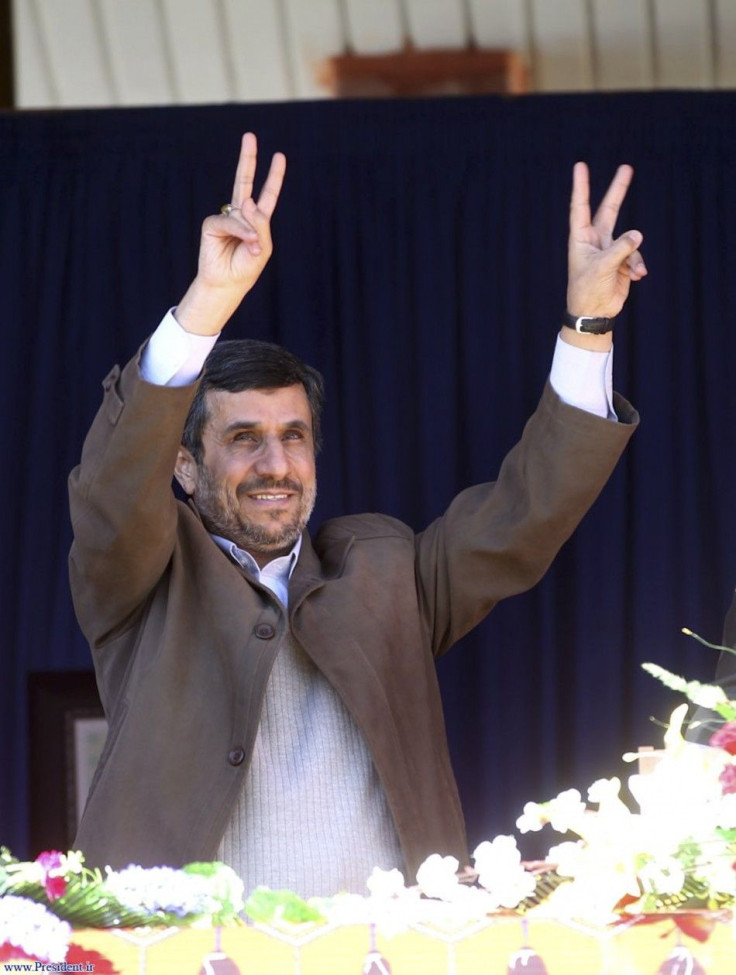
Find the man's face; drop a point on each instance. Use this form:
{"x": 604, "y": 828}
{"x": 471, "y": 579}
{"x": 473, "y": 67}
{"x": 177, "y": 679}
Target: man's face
{"x": 256, "y": 482}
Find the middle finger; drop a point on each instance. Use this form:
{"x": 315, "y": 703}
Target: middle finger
{"x": 607, "y": 213}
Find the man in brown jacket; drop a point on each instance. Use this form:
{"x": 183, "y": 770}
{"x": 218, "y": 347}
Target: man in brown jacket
{"x": 272, "y": 698}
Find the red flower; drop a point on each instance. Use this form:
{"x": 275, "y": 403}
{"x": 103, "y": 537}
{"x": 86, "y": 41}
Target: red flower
{"x": 727, "y": 778}
{"x": 54, "y": 882}
{"x": 725, "y": 737}
{"x": 10, "y": 952}
{"x": 91, "y": 961}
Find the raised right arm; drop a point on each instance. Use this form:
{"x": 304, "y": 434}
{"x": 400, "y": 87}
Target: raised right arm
{"x": 124, "y": 514}
{"x": 122, "y": 507}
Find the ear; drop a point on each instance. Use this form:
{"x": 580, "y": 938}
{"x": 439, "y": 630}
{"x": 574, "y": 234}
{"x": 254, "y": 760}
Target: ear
{"x": 185, "y": 471}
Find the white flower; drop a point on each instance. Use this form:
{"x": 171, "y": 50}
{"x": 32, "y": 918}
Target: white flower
{"x": 437, "y": 876}
{"x": 532, "y": 818}
{"x": 392, "y": 914}
{"x": 725, "y": 813}
{"x": 469, "y": 903}
{"x": 665, "y": 876}
{"x": 501, "y": 873}
{"x": 392, "y": 907}
{"x": 386, "y": 883}
{"x": 706, "y": 695}
{"x": 32, "y": 928}
{"x": 568, "y": 857}
{"x": 162, "y": 889}
{"x": 498, "y": 855}
{"x": 344, "y": 909}
{"x": 565, "y": 811}
{"x": 581, "y": 899}
{"x": 72, "y": 862}
{"x": 512, "y": 887}
{"x": 718, "y": 872}
{"x": 604, "y": 789}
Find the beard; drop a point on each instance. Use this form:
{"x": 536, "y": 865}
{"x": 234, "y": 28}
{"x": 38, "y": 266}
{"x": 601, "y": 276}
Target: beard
{"x": 274, "y": 534}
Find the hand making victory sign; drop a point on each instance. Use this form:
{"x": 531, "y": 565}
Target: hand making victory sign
{"x": 235, "y": 246}
{"x": 600, "y": 269}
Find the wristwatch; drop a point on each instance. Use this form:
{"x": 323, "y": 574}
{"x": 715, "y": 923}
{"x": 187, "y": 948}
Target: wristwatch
{"x": 588, "y": 325}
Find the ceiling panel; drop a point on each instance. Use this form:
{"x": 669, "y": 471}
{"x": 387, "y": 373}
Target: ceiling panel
{"x": 374, "y": 26}
{"x": 684, "y": 57}
{"x": 71, "y": 36}
{"x": 499, "y": 24}
{"x": 33, "y": 82}
{"x": 200, "y": 63}
{"x": 622, "y": 45}
{"x": 315, "y": 31}
{"x": 255, "y": 35}
{"x": 138, "y": 56}
{"x": 437, "y": 23}
{"x": 725, "y": 43}
{"x": 562, "y": 53}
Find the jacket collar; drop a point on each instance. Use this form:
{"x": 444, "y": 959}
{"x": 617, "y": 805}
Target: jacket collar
{"x": 312, "y": 572}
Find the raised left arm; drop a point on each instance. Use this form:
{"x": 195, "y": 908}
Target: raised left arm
{"x": 600, "y": 268}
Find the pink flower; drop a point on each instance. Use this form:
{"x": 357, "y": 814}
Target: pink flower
{"x": 52, "y": 864}
{"x": 727, "y": 778}
{"x": 725, "y": 737}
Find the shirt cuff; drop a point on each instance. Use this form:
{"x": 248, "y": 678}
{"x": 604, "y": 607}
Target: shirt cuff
{"x": 173, "y": 357}
{"x": 583, "y": 378}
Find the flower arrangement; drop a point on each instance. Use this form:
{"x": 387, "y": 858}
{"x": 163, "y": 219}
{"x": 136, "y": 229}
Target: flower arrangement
{"x": 677, "y": 853}
{"x": 41, "y": 901}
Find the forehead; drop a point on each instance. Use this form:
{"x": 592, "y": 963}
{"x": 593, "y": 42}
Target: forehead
{"x": 262, "y": 407}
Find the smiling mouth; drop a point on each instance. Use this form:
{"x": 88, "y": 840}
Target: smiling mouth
{"x": 269, "y": 497}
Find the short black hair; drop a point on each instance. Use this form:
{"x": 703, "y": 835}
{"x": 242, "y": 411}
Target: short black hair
{"x": 237, "y": 364}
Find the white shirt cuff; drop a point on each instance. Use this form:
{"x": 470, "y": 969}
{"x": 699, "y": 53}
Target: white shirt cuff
{"x": 173, "y": 357}
{"x": 583, "y": 378}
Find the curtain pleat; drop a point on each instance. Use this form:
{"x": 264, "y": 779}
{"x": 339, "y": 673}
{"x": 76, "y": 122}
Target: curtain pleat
{"x": 420, "y": 262}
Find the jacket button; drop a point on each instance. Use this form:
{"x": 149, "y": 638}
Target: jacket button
{"x": 236, "y": 756}
{"x": 264, "y": 631}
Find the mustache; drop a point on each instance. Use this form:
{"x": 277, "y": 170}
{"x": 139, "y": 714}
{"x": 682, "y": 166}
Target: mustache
{"x": 257, "y": 484}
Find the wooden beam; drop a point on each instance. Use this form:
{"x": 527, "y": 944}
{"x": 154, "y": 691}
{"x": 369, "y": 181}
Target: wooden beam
{"x": 7, "y": 90}
{"x": 412, "y": 73}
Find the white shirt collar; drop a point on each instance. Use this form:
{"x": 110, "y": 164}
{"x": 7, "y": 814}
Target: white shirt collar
{"x": 274, "y": 575}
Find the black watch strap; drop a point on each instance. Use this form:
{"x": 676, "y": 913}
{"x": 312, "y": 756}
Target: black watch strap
{"x": 587, "y": 325}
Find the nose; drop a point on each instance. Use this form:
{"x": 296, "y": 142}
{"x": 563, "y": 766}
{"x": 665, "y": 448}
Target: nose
{"x": 272, "y": 460}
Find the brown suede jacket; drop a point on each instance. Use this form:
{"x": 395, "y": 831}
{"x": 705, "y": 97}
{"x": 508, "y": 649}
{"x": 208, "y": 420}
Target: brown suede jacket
{"x": 183, "y": 641}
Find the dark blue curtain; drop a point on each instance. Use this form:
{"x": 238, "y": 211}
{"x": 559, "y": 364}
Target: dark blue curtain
{"x": 420, "y": 262}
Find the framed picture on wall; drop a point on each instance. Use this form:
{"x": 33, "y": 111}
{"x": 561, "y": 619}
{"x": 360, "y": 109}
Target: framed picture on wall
{"x": 67, "y": 731}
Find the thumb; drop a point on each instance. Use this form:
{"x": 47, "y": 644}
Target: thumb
{"x": 622, "y": 248}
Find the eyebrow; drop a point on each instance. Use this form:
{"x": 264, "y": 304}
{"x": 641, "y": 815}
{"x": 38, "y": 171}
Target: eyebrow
{"x": 254, "y": 425}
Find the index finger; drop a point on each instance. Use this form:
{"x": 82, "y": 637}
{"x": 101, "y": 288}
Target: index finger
{"x": 272, "y": 187}
{"x": 244, "y": 174}
{"x": 607, "y": 213}
{"x": 580, "y": 198}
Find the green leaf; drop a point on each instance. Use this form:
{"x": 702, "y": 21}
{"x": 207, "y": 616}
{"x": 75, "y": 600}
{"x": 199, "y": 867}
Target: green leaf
{"x": 266, "y": 906}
